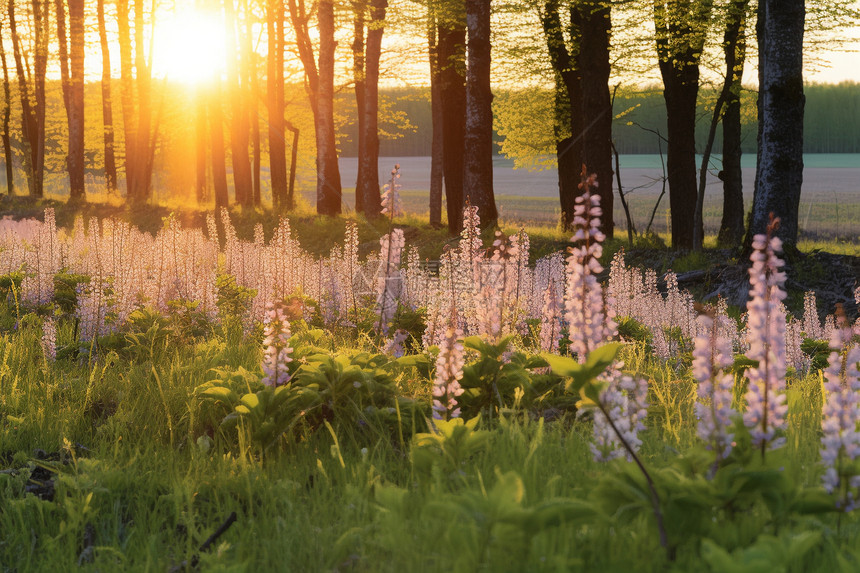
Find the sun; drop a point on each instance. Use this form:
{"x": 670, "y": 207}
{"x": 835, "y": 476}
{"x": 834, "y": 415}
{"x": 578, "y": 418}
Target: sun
{"x": 189, "y": 47}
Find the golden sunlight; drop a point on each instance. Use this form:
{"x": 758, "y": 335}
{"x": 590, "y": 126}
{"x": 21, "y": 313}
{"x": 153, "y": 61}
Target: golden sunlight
{"x": 189, "y": 46}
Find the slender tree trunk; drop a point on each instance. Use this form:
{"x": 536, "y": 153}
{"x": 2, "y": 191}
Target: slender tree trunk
{"x": 779, "y": 176}
{"x": 294, "y": 159}
{"x": 328, "y": 173}
{"x": 596, "y": 26}
{"x": 76, "y": 101}
{"x": 144, "y": 148}
{"x": 107, "y": 111}
{"x": 275, "y": 99}
{"x": 359, "y": 79}
{"x": 478, "y": 160}
{"x": 63, "y": 45}
{"x": 201, "y": 187}
{"x": 127, "y": 94}
{"x": 239, "y": 128}
{"x": 734, "y": 45}
{"x": 7, "y": 116}
{"x": 452, "y": 55}
{"x": 33, "y": 112}
{"x": 437, "y": 172}
{"x": 216, "y": 137}
{"x": 252, "y": 96}
{"x": 367, "y": 185}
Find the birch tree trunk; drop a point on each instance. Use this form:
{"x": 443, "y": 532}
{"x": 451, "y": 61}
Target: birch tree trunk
{"x": 107, "y": 111}
{"x": 779, "y": 175}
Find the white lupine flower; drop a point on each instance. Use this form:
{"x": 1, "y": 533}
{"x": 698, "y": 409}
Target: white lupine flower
{"x": 811, "y": 324}
{"x": 389, "y": 281}
{"x": 550, "y": 321}
{"x": 766, "y": 401}
{"x": 712, "y": 356}
{"x": 449, "y": 372}
{"x": 841, "y": 438}
{"x": 276, "y": 349}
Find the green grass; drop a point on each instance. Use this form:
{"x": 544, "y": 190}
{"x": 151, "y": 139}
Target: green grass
{"x": 139, "y": 479}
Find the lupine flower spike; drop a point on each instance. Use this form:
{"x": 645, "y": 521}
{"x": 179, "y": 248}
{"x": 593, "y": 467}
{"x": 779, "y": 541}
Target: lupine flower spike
{"x": 391, "y": 204}
{"x": 49, "y": 340}
{"x": 766, "y": 407}
{"x": 449, "y": 371}
{"x": 840, "y": 444}
{"x": 276, "y": 353}
{"x": 712, "y": 356}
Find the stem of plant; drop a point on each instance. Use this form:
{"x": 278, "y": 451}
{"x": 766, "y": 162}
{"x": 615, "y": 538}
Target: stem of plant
{"x": 655, "y": 497}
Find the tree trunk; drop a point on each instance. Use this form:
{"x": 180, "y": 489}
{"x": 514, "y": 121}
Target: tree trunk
{"x": 239, "y": 128}
{"x": 328, "y": 172}
{"x": 478, "y": 159}
{"x": 680, "y": 36}
{"x": 216, "y": 137}
{"x": 76, "y": 101}
{"x": 7, "y": 115}
{"x": 320, "y": 88}
{"x": 144, "y": 148}
{"x": 367, "y": 185}
{"x": 275, "y": 99}
{"x": 200, "y": 144}
{"x": 437, "y": 172}
{"x": 33, "y": 112}
{"x": 779, "y": 175}
{"x": 127, "y": 94}
{"x": 452, "y": 55}
{"x": 294, "y": 158}
{"x": 594, "y": 64}
{"x": 107, "y": 111}
{"x": 569, "y": 124}
{"x": 359, "y": 79}
{"x": 734, "y": 45}
{"x": 252, "y": 96}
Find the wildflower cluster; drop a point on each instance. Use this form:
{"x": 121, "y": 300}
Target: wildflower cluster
{"x": 449, "y": 372}
{"x": 712, "y": 356}
{"x": 766, "y": 407}
{"x": 624, "y": 405}
{"x": 276, "y": 349}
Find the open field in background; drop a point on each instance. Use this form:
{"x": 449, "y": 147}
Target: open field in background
{"x": 829, "y": 208}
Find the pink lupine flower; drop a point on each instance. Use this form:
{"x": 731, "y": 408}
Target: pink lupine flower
{"x": 391, "y": 204}
{"x": 449, "y": 372}
{"x": 766, "y": 407}
{"x": 276, "y": 352}
{"x": 589, "y": 318}
{"x": 841, "y": 439}
{"x": 712, "y": 355}
{"x": 49, "y": 339}
{"x": 625, "y": 402}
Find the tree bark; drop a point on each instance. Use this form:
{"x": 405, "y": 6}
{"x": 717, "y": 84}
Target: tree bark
{"x": 200, "y": 144}
{"x": 680, "y": 39}
{"x": 478, "y": 158}
{"x": 144, "y": 147}
{"x": 7, "y": 116}
{"x": 734, "y": 46}
{"x": 452, "y": 55}
{"x": 33, "y": 112}
{"x": 779, "y": 175}
{"x": 358, "y": 78}
{"x": 367, "y": 185}
{"x": 569, "y": 124}
{"x": 275, "y": 99}
{"x": 437, "y": 172}
{"x": 239, "y": 129}
{"x": 216, "y": 137}
{"x": 252, "y": 96}
{"x": 596, "y": 26}
{"x": 75, "y": 110}
{"x": 320, "y": 88}
{"x": 328, "y": 173}
{"x": 107, "y": 111}
{"x": 127, "y": 93}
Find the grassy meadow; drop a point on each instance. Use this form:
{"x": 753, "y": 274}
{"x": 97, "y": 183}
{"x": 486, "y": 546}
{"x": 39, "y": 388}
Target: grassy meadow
{"x": 129, "y": 452}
